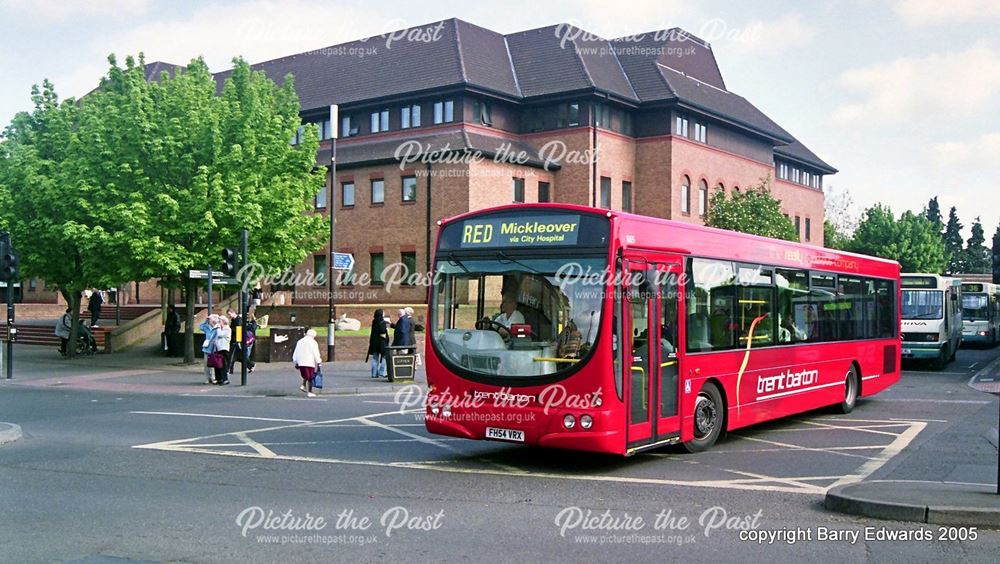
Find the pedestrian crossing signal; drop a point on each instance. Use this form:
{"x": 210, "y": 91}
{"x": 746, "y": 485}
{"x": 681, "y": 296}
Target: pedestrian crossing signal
{"x": 229, "y": 262}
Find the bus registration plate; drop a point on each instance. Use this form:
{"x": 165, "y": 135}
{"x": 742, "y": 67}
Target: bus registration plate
{"x": 505, "y": 434}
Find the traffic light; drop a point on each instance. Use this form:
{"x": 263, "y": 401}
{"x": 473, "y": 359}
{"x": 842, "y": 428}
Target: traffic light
{"x": 9, "y": 269}
{"x": 229, "y": 262}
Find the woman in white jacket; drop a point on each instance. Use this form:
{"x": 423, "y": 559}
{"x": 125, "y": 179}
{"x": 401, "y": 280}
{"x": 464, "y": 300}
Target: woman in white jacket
{"x": 223, "y": 338}
{"x": 307, "y": 359}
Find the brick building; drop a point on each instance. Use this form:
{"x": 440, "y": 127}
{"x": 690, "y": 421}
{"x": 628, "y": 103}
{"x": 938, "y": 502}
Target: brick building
{"x": 451, "y": 117}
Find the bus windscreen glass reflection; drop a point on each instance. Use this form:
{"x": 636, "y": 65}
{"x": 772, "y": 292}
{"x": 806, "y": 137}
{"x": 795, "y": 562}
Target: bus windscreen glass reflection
{"x": 515, "y": 318}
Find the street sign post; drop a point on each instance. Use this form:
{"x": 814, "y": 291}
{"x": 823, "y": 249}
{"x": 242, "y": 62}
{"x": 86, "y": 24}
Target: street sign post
{"x": 343, "y": 261}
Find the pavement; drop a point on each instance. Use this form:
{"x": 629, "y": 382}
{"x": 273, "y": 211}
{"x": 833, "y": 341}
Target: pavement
{"x": 144, "y": 369}
{"x": 9, "y": 433}
{"x": 932, "y": 501}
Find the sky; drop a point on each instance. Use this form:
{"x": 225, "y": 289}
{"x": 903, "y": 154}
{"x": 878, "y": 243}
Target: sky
{"x": 902, "y": 96}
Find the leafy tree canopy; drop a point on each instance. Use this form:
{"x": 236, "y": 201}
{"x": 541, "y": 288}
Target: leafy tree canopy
{"x": 911, "y": 240}
{"x": 753, "y": 210}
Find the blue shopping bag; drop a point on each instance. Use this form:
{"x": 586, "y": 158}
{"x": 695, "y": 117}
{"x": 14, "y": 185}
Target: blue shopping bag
{"x": 318, "y": 378}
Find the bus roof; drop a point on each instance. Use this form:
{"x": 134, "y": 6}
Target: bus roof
{"x": 645, "y": 232}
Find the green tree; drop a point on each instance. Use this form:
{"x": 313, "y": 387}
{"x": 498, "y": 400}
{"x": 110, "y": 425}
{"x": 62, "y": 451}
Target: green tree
{"x": 753, "y": 210}
{"x": 976, "y": 258}
{"x": 833, "y": 236}
{"x": 161, "y": 175}
{"x": 49, "y": 207}
{"x": 910, "y": 240}
{"x": 953, "y": 241}
{"x": 933, "y": 213}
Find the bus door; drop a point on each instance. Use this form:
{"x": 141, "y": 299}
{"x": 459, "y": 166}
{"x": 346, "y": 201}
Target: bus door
{"x": 650, "y": 330}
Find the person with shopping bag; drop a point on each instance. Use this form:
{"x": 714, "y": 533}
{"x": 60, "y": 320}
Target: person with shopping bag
{"x": 307, "y": 359}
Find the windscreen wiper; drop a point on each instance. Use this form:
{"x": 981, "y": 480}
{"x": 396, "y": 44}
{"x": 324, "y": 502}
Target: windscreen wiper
{"x": 455, "y": 262}
{"x": 503, "y": 257}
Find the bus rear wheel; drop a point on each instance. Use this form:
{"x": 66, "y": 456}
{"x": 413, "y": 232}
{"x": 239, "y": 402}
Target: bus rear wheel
{"x": 709, "y": 416}
{"x": 850, "y": 391}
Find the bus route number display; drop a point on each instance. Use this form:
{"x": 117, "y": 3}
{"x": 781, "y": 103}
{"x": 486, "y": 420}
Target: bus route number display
{"x": 553, "y": 230}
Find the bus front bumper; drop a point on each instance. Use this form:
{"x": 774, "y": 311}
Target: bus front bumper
{"x": 976, "y": 337}
{"x": 921, "y": 350}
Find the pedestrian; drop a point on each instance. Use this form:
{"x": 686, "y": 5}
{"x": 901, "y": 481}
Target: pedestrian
{"x": 307, "y": 360}
{"x": 378, "y": 342}
{"x": 63, "y": 328}
{"x": 235, "y": 345}
{"x": 401, "y": 329}
{"x": 173, "y": 324}
{"x": 411, "y": 338}
{"x": 94, "y": 307}
{"x": 209, "y": 327}
{"x": 251, "y": 331}
{"x": 223, "y": 342}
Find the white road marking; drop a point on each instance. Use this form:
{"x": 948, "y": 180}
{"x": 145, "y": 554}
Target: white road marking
{"x": 973, "y": 365}
{"x": 935, "y": 373}
{"x": 928, "y": 400}
{"x": 215, "y": 416}
{"x": 894, "y": 448}
{"x": 925, "y": 420}
{"x": 752, "y": 481}
{"x": 261, "y": 449}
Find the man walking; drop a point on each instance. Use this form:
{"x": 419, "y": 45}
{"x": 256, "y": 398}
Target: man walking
{"x": 94, "y": 307}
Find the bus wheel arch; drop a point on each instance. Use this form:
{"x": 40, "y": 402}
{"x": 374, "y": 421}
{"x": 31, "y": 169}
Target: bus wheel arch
{"x": 861, "y": 384}
{"x": 710, "y": 408}
{"x": 852, "y": 388}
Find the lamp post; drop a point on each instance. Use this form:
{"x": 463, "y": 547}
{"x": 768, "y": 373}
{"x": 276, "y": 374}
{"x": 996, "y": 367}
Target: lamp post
{"x": 331, "y": 205}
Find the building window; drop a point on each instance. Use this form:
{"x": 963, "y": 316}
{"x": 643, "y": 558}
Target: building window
{"x": 348, "y": 127}
{"x": 736, "y": 189}
{"x": 685, "y": 195}
{"x": 808, "y": 229}
{"x": 544, "y": 194}
{"x": 721, "y": 188}
{"x": 795, "y": 175}
{"x": 518, "y": 190}
{"x": 410, "y": 116}
{"x": 378, "y": 191}
{"x": 376, "y": 265}
{"x": 321, "y": 199}
{"x": 533, "y": 120}
{"x": 409, "y": 188}
{"x": 32, "y": 284}
{"x": 347, "y": 194}
{"x": 606, "y": 192}
{"x": 702, "y": 198}
{"x": 444, "y": 111}
{"x": 410, "y": 268}
{"x": 380, "y": 121}
{"x": 482, "y": 112}
{"x": 626, "y": 196}
{"x": 700, "y": 132}
{"x": 798, "y": 226}
{"x": 681, "y": 126}
{"x": 569, "y": 115}
{"x": 602, "y": 116}
{"x": 805, "y": 178}
{"x": 297, "y": 137}
{"x": 783, "y": 171}
{"x": 319, "y": 270}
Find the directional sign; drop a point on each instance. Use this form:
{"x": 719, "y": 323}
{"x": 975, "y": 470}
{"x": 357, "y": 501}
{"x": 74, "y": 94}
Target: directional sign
{"x": 343, "y": 261}
{"x": 216, "y": 276}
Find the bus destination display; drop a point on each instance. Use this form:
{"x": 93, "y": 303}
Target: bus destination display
{"x": 545, "y": 230}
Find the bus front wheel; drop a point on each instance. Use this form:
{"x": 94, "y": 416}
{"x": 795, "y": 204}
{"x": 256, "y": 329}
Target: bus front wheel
{"x": 850, "y": 391}
{"x": 709, "y": 415}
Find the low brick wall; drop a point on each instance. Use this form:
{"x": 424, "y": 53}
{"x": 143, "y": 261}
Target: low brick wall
{"x": 350, "y": 349}
{"x": 317, "y": 316}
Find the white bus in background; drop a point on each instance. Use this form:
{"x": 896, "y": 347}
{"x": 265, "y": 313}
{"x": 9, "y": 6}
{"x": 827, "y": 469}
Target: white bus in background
{"x": 980, "y": 313}
{"x": 931, "y": 309}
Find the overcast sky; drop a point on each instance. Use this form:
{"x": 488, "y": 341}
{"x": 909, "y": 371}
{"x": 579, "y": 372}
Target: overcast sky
{"x": 902, "y": 96}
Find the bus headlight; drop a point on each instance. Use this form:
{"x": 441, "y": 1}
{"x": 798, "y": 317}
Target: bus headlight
{"x": 569, "y": 421}
{"x": 446, "y": 411}
{"x": 586, "y": 422}
{"x": 435, "y": 409}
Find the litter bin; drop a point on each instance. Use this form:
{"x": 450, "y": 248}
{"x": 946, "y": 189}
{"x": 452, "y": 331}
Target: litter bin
{"x": 400, "y": 363}
{"x": 283, "y": 341}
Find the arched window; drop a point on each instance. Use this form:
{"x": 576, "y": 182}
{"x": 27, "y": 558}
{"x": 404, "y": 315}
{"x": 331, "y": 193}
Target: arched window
{"x": 721, "y": 188}
{"x": 686, "y": 195}
{"x": 736, "y": 189}
{"x": 702, "y": 197}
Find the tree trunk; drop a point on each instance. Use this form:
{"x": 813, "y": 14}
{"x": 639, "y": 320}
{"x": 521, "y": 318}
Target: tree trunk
{"x": 74, "y": 332}
{"x": 189, "y": 295}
